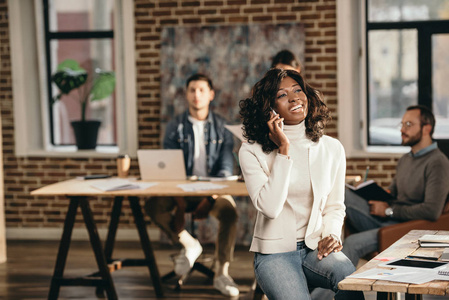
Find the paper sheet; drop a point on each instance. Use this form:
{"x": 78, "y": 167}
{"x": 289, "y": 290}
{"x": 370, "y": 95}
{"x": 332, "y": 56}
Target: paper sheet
{"x": 200, "y": 186}
{"x": 117, "y": 184}
{"x": 236, "y": 130}
{"x": 398, "y": 275}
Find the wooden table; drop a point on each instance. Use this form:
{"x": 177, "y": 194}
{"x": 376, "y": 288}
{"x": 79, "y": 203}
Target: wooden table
{"x": 407, "y": 245}
{"x": 78, "y": 192}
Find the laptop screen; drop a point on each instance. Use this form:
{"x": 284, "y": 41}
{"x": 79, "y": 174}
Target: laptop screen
{"x": 161, "y": 164}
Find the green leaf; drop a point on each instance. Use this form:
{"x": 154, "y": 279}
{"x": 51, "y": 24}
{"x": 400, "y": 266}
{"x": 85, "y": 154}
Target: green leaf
{"x": 103, "y": 86}
{"x": 69, "y": 76}
{"x": 70, "y": 64}
{"x": 67, "y": 80}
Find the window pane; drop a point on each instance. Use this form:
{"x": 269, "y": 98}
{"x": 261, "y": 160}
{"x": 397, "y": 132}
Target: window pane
{"x": 407, "y": 10}
{"x": 393, "y": 74}
{"x": 81, "y": 15}
{"x": 90, "y": 54}
{"x": 440, "y": 87}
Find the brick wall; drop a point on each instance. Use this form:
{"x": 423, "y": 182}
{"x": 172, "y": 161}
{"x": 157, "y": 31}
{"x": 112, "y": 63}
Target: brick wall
{"x": 23, "y": 175}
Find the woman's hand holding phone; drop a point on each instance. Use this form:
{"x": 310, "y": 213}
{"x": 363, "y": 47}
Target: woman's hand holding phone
{"x": 277, "y": 135}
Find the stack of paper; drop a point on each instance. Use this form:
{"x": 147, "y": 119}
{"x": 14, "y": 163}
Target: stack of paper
{"x": 398, "y": 275}
{"x": 117, "y": 184}
{"x": 434, "y": 240}
{"x": 200, "y": 186}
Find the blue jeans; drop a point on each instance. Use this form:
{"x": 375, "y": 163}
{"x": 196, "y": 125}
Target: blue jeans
{"x": 360, "y": 244}
{"x": 289, "y": 275}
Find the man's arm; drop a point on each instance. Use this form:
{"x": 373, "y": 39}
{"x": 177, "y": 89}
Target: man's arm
{"x": 172, "y": 132}
{"x": 393, "y": 189}
{"x": 226, "y": 157}
{"x": 435, "y": 195}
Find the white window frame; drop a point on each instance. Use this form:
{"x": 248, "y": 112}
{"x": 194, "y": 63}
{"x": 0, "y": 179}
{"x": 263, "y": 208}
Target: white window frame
{"x": 29, "y": 83}
{"x": 351, "y": 90}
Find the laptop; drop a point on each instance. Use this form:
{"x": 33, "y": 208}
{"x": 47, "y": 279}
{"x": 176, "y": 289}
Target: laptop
{"x": 161, "y": 164}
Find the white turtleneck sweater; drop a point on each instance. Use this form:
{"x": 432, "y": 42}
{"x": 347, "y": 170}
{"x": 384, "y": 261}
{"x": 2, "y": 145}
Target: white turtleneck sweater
{"x": 300, "y": 194}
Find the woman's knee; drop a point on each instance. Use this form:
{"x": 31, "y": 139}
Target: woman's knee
{"x": 280, "y": 276}
{"x": 329, "y": 271}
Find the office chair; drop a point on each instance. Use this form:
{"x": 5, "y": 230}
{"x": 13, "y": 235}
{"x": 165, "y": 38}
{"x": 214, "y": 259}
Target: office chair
{"x": 197, "y": 266}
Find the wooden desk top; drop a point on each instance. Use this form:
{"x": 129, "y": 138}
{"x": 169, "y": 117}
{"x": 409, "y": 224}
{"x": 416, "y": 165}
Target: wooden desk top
{"x": 74, "y": 187}
{"x": 407, "y": 245}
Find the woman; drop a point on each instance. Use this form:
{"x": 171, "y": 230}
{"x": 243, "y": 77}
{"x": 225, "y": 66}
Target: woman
{"x": 295, "y": 177}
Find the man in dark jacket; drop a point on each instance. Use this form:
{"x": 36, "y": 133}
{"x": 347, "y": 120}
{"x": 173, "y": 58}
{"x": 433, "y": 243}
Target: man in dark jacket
{"x": 207, "y": 146}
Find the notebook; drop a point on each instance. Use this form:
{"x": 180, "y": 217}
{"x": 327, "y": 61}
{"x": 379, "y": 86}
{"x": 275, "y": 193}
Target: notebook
{"x": 161, "y": 164}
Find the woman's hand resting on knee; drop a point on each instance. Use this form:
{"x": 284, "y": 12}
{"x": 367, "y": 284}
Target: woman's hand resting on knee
{"x": 328, "y": 245}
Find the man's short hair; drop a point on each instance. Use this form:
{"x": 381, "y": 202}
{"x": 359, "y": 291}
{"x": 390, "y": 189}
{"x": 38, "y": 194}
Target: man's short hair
{"x": 427, "y": 116}
{"x": 198, "y": 76}
{"x": 285, "y": 57}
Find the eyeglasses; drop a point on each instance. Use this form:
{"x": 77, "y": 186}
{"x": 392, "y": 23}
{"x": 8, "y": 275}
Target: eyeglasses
{"x": 405, "y": 125}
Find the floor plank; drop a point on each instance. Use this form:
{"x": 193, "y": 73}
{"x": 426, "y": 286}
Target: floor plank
{"x": 27, "y": 273}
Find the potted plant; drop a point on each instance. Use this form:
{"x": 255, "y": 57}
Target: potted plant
{"x": 70, "y": 76}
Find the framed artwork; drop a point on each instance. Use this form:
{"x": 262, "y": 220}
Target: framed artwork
{"x": 234, "y": 57}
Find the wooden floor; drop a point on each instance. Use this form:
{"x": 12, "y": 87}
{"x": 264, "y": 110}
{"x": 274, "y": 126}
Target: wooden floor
{"x": 27, "y": 273}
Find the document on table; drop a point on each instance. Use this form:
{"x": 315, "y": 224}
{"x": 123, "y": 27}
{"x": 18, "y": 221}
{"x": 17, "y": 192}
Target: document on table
{"x": 399, "y": 275}
{"x": 200, "y": 186}
{"x": 117, "y": 184}
{"x": 434, "y": 240}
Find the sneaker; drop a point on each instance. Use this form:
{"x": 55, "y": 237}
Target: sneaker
{"x": 226, "y": 285}
{"x": 186, "y": 258}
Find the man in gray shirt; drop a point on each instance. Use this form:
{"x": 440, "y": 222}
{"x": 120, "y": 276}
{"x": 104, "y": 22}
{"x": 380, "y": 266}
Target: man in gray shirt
{"x": 420, "y": 187}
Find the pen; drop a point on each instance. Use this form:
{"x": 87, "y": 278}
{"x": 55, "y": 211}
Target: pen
{"x": 422, "y": 257}
{"x": 366, "y": 174}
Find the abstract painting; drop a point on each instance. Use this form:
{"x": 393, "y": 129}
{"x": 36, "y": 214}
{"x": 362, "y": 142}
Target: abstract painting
{"x": 235, "y": 58}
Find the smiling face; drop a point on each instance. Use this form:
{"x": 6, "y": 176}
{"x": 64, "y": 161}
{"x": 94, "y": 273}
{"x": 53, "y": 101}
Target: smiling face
{"x": 291, "y": 102}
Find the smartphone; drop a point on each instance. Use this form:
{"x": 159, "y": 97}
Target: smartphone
{"x": 276, "y": 114}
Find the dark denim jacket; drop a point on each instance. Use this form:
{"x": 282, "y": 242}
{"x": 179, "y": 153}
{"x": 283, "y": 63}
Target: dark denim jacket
{"x": 219, "y": 143}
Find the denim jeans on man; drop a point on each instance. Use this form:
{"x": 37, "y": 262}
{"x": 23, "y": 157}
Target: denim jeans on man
{"x": 289, "y": 275}
{"x": 360, "y": 244}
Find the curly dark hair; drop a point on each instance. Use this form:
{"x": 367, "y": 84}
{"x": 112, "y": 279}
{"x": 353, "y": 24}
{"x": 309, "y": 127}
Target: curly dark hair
{"x": 255, "y": 111}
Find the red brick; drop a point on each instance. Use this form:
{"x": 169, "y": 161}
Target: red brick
{"x": 238, "y": 19}
{"x": 191, "y": 20}
{"x": 255, "y": 2}
{"x": 215, "y": 20}
{"x": 237, "y": 2}
{"x": 184, "y": 12}
{"x": 190, "y": 3}
{"x": 227, "y": 11}
{"x": 207, "y": 11}
{"x": 252, "y": 10}
{"x": 161, "y": 13}
{"x": 262, "y": 18}
{"x": 145, "y": 5}
{"x": 301, "y": 8}
{"x": 166, "y": 4}
{"x": 213, "y": 3}
{"x": 286, "y": 18}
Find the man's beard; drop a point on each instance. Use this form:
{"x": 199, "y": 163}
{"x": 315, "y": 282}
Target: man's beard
{"x": 413, "y": 140}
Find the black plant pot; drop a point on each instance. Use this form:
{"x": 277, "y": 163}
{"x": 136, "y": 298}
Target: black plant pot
{"x": 86, "y": 134}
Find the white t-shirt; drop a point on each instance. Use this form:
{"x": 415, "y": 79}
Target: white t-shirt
{"x": 199, "y": 154}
